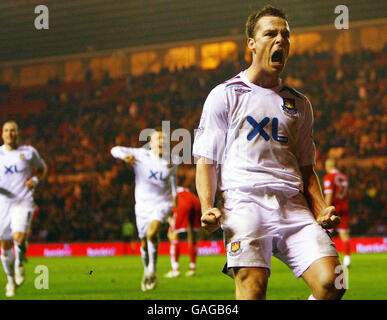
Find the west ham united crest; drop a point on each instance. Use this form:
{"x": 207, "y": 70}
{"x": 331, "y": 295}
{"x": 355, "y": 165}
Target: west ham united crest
{"x": 235, "y": 248}
{"x": 289, "y": 106}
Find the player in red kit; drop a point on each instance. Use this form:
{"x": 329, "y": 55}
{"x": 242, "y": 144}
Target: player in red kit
{"x": 185, "y": 219}
{"x": 336, "y": 194}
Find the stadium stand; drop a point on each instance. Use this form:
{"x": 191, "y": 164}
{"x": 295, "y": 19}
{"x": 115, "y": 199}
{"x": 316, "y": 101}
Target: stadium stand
{"x": 88, "y": 194}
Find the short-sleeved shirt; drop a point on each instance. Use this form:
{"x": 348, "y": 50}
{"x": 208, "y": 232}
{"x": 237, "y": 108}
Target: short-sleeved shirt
{"x": 336, "y": 183}
{"x": 259, "y": 137}
{"x": 155, "y": 178}
{"x": 15, "y": 169}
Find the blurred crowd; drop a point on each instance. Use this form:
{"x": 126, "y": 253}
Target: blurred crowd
{"x": 89, "y": 194}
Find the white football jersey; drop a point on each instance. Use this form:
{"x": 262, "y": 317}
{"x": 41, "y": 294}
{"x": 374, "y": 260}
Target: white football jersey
{"x": 15, "y": 170}
{"x": 259, "y": 137}
{"x": 155, "y": 179}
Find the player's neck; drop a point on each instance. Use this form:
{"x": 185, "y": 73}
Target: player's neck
{"x": 12, "y": 146}
{"x": 261, "y": 78}
{"x": 156, "y": 153}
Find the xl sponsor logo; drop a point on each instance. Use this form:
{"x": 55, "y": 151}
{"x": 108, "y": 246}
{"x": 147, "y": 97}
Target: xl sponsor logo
{"x": 11, "y": 169}
{"x": 258, "y": 129}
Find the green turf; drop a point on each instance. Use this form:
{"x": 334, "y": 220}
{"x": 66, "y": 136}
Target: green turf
{"x": 119, "y": 278}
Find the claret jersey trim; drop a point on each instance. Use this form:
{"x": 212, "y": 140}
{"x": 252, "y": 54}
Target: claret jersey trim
{"x": 292, "y": 91}
{"x": 238, "y": 84}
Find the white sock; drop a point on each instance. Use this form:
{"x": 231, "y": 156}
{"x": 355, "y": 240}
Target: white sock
{"x": 8, "y": 261}
{"x": 145, "y": 259}
{"x": 174, "y": 261}
{"x": 175, "y": 266}
{"x": 347, "y": 261}
{"x": 20, "y": 252}
{"x": 192, "y": 266}
{"x": 311, "y": 297}
{"x": 152, "y": 251}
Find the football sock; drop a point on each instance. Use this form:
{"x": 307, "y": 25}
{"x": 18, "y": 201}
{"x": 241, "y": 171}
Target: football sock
{"x": 346, "y": 247}
{"x": 8, "y": 261}
{"x": 152, "y": 252}
{"x": 145, "y": 259}
{"x": 192, "y": 255}
{"x": 347, "y": 261}
{"x": 175, "y": 253}
{"x": 20, "y": 252}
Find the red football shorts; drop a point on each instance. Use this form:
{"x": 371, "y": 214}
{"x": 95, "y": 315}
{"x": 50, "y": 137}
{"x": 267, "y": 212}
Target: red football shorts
{"x": 183, "y": 218}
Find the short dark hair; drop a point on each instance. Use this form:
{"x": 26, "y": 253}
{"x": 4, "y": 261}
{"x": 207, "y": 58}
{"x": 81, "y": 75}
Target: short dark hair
{"x": 13, "y": 122}
{"x": 253, "y": 18}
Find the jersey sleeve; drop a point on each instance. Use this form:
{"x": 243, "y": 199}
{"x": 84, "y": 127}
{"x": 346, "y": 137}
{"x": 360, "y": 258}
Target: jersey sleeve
{"x": 305, "y": 141}
{"x": 36, "y": 160}
{"x": 328, "y": 184}
{"x": 210, "y": 137}
{"x": 119, "y": 152}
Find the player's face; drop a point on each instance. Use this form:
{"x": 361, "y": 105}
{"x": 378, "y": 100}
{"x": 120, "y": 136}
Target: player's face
{"x": 271, "y": 44}
{"x": 157, "y": 140}
{"x": 10, "y": 134}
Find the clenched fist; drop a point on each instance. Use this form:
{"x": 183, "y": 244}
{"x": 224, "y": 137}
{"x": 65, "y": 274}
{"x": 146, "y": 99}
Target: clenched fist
{"x": 130, "y": 160}
{"x": 328, "y": 218}
{"x": 210, "y": 220}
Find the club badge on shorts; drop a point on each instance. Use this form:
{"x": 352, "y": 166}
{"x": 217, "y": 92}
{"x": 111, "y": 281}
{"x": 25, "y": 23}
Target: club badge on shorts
{"x": 235, "y": 248}
{"x": 289, "y": 106}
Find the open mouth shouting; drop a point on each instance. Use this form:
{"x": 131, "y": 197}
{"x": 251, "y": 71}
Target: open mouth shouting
{"x": 277, "y": 58}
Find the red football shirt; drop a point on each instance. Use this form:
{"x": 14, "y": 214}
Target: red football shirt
{"x": 188, "y": 208}
{"x": 336, "y": 183}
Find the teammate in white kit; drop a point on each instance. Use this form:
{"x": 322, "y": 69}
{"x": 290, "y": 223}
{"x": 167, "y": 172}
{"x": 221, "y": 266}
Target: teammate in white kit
{"x": 255, "y": 143}
{"x": 21, "y": 169}
{"x": 155, "y": 195}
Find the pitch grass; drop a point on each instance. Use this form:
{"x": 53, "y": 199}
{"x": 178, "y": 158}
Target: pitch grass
{"x": 119, "y": 278}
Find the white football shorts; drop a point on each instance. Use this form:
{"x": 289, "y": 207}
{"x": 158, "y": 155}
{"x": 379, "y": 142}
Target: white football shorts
{"x": 145, "y": 214}
{"x": 15, "y": 217}
{"x": 259, "y": 223}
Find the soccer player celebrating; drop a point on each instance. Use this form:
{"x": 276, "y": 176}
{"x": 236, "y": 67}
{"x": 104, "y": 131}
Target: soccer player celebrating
{"x": 336, "y": 194}
{"x": 21, "y": 170}
{"x": 155, "y": 195}
{"x": 186, "y": 218}
{"x": 255, "y": 142}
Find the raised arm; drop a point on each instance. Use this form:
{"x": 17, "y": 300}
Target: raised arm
{"x": 123, "y": 153}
